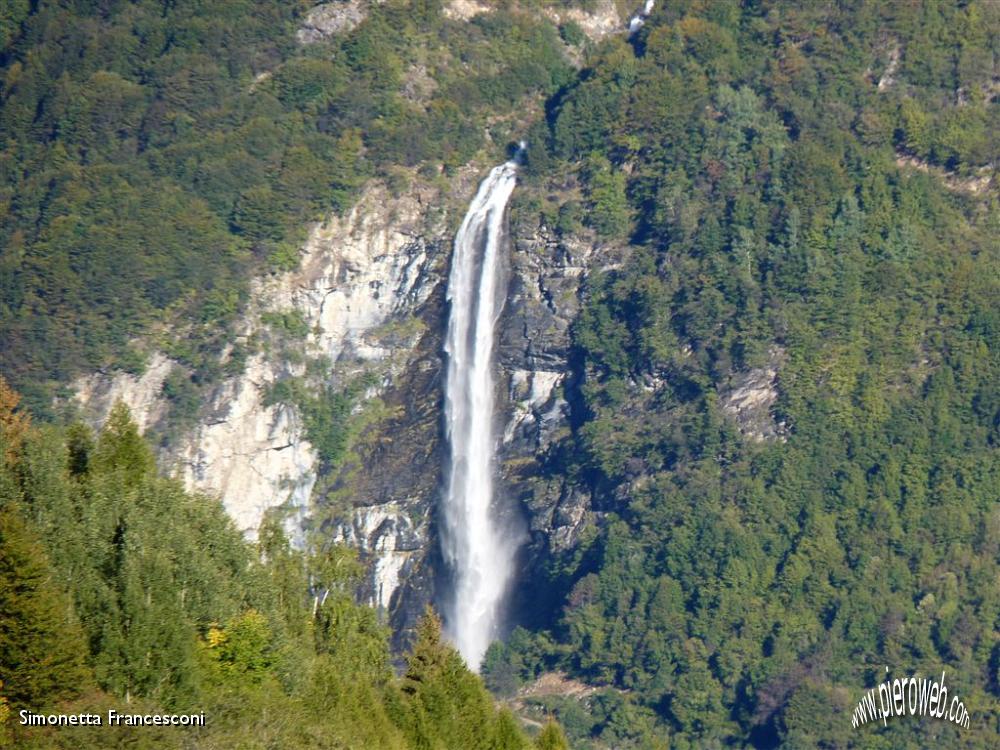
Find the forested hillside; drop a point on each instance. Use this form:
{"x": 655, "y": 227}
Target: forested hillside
{"x": 760, "y": 162}
{"x": 155, "y": 156}
{"x": 119, "y": 590}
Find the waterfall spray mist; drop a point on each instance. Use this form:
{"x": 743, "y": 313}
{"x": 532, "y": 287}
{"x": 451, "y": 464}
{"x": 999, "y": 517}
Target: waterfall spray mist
{"x": 480, "y": 554}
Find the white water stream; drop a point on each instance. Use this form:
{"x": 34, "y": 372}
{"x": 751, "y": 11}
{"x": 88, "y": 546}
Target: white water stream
{"x": 478, "y": 551}
{"x": 475, "y": 545}
{"x": 639, "y": 19}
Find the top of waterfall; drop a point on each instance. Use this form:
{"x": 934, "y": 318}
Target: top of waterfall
{"x": 639, "y": 19}
{"x": 518, "y": 156}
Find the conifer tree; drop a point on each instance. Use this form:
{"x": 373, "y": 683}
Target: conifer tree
{"x": 41, "y": 646}
{"x": 508, "y": 735}
{"x": 121, "y": 447}
{"x": 552, "y": 737}
{"x": 449, "y": 706}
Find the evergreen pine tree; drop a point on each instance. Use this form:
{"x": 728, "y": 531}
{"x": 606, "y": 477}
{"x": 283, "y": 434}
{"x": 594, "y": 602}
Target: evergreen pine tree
{"x": 121, "y": 447}
{"x": 41, "y": 646}
{"x": 449, "y": 705}
{"x": 552, "y": 737}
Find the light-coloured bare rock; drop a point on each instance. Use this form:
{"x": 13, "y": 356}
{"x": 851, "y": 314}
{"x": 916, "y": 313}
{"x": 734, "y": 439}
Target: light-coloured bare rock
{"x": 888, "y": 77}
{"x": 386, "y": 535}
{"x": 977, "y": 184}
{"x": 357, "y": 272}
{"x": 96, "y": 393}
{"x": 329, "y": 19}
{"x": 604, "y": 19}
{"x": 750, "y": 398}
{"x": 464, "y": 10}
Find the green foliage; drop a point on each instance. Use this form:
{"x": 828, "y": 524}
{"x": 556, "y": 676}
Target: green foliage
{"x": 183, "y": 396}
{"x": 738, "y": 590}
{"x": 291, "y": 323}
{"x": 12, "y": 15}
{"x": 326, "y": 413}
{"x": 155, "y": 157}
{"x": 121, "y": 451}
{"x": 551, "y": 738}
{"x": 442, "y": 704}
{"x": 242, "y": 648}
{"x": 572, "y": 33}
{"x": 40, "y": 655}
{"x": 608, "y": 213}
{"x": 257, "y": 214}
{"x": 152, "y": 572}
{"x": 735, "y": 590}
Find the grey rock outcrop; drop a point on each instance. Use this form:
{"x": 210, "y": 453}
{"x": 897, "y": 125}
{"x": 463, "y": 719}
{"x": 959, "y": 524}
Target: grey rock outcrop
{"x": 393, "y": 481}
{"x": 357, "y": 274}
{"x": 330, "y": 19}
{"x": 544, "y": 300}
{"x": 749, "y": 400}
{"x": 142, "y": 393}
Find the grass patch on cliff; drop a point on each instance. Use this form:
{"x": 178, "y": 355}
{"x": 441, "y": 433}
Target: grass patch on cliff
{"x": 332, "y": 416}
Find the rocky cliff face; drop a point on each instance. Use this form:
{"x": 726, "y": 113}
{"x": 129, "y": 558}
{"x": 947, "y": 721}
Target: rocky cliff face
{"x": 369, "y": 298}
{"x": 388, "y": 490}
{"x": 357, "y": 273}
{"x": 750, "y": 397}
{"x": 543, "y": 301}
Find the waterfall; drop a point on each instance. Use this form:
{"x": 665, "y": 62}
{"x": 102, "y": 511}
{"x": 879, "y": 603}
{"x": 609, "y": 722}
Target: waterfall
{"x": 478, "y": 551}
{"x": 639, "y": 19}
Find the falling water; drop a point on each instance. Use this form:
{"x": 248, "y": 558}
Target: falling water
{"x": 639, "y": 19}
{"x": 475, "y": 545}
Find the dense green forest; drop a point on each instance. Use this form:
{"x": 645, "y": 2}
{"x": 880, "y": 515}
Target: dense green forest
{"x": 156, "y": 155}
{"x": 793, "y": 185}
{"x": 742, "y": 591}
{"x": 119, "y": 590}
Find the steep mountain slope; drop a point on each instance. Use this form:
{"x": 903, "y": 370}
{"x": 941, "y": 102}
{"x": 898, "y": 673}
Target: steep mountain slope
{"x": 748, "y": 362}
{"x": 158, "y": 157}
{"x": 120, "y": 592}
{"x": 785, "y": 409}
